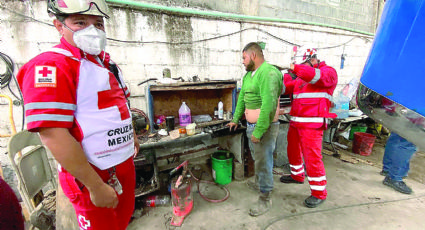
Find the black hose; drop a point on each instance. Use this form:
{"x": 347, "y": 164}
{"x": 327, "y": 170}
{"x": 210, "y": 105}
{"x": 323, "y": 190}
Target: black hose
{"x": 10, "y": 68}
{"x": 5, "y": 79}
{"x": 150, "y": 79}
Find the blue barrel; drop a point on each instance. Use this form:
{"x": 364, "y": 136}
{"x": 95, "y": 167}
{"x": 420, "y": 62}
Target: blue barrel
{"x": 395, "y": 67}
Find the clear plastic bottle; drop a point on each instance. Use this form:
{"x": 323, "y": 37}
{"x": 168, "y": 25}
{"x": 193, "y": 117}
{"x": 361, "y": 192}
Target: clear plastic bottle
{"x": 220, "y": 110}
{"x": 157, "y": 200}
{"x": 184, "y": 115}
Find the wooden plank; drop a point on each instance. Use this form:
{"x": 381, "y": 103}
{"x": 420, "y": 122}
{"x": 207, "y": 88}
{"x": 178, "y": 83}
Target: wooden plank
{"x": 327, "y": 152}
{"x": 349, "y": 159}
{"x": 194, "y": 86}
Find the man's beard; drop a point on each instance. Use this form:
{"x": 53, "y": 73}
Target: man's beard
{"x": 250, "y": 66}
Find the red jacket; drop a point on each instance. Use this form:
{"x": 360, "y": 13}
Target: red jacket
{"x": 312, "y": 92}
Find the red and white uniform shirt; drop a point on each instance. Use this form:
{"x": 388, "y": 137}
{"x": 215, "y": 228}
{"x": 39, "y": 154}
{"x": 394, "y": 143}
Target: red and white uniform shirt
{"x": 312, "y": 92}
{"x": 63, "y": 89}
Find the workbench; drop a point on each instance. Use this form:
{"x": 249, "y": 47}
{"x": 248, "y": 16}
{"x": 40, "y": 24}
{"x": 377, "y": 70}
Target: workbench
{"x": 164, "y": 153}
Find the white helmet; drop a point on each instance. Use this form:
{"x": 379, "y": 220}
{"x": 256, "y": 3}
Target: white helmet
{"x": 305, "y": 55}
{"x": 66, "y": 7}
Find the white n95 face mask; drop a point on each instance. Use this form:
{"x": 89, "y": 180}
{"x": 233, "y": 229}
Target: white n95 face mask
{"x": 90, "y": 40}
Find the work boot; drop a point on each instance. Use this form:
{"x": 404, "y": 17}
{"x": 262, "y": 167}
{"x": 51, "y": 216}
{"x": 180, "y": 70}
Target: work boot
{"x": 312, "y": 202}
{"x": 399, "y": 186}
{"x": 253, "y": 184}
{"x": 263, "y": 204}
{"x": 287, "y": 179}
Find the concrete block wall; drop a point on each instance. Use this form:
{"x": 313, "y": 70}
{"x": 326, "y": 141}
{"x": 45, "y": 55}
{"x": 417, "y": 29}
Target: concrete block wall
{"x": 150, "y": 41}
{"x": 355, "y": 14}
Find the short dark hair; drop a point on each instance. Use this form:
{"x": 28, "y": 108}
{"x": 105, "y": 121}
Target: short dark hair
{"x": 61, "y": 17}
{"x": 255, "y": 47}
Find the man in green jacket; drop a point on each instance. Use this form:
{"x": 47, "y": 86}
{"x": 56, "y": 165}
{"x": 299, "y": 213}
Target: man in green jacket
{"x": 259, "y": 100}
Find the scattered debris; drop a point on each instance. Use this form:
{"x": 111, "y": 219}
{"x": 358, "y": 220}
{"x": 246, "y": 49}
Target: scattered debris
{"x": 340, "y": 145}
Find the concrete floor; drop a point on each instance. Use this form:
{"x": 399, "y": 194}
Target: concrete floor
{"x": 357, "y": 199}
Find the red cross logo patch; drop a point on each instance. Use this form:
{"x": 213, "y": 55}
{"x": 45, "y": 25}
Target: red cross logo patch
{"x": 45, "y": 76}
{"x": 84, "y": 224}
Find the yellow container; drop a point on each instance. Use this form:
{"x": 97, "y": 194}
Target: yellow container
{"x": 376, "y": 128}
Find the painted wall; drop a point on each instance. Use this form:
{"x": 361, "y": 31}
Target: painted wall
{"x": 144, "y": 42}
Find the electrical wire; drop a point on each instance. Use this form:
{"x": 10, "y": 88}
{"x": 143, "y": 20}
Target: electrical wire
{"x": 206, "y": 39}
{"x": 25, "y": 16}
{"x": 10, "y": 68}
{"x": 5, "y": 79}
{"x": 201, "y": 40}
{"x": 280, "y": 218}
{"x": 233, "y": 33}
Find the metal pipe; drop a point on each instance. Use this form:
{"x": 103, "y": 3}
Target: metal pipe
{"x": 228, "y": 16}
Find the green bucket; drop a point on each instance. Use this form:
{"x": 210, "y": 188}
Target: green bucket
{"x": 356, "y": 128}
{"x": 222, "y": 166}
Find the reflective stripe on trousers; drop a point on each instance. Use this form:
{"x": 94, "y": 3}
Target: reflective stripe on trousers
{"x": 306, "y": 143}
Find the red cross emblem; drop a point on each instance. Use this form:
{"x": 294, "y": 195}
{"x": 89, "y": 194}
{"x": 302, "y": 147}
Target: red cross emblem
{"x": 45, "y": 72}
{"x": 83, "y": 222}
{"x": 113, "y": 97}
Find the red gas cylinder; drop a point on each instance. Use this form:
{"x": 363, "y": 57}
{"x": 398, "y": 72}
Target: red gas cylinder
{"x": 181, "y": 194}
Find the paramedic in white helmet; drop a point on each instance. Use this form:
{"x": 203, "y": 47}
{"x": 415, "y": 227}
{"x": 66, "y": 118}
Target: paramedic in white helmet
{"x": 75, "y": 97}
{"x": 312, "y": 91}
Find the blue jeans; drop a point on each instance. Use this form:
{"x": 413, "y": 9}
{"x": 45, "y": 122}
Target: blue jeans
{"x": 398, "y": 152}
{"x": 262, "y": 154}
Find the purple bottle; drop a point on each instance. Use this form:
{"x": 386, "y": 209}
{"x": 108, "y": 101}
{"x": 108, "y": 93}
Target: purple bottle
{"x": 184, "y": 115}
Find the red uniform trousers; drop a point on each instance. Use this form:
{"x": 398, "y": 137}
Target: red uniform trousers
{"x": 91, "y": 217}
{"x": 307, "y": 143}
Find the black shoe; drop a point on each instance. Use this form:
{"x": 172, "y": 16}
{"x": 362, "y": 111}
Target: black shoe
{"x": 288, "y": 179}
{"x": 312, "y": 202}
{"x": 399, "y": 186}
